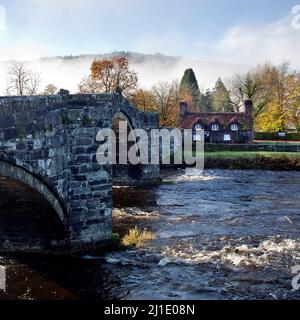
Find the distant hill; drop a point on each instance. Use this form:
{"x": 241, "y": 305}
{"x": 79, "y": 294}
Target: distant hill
{"x": 67, "y": 71}
{"x": 133, "y": 57}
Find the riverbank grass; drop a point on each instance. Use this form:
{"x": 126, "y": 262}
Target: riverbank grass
{"x": 136, "y": 238}
{"x": 253, "y": 160}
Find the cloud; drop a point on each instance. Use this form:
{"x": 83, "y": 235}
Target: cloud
{"x": 275, "y": 42}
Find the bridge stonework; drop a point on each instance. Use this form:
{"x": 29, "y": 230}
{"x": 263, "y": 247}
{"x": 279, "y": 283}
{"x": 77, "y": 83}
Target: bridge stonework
{"x": 49, "y": 143}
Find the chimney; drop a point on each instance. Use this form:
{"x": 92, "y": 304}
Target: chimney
{"x": 183, "y": 109}
{"x": 247, "y": 107}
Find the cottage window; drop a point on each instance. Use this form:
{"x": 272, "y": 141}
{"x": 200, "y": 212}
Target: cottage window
{"x": 234, "y": 127}
{"x": 215, "y": 127}
{"x": 198, "y": 126}
{"x": 227, "y": 137}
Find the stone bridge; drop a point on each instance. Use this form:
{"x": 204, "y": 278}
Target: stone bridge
{"x": 54, "y": 196}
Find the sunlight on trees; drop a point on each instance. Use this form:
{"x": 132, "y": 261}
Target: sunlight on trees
{"x": 274, "y": 90}
{"x": 109, "y": 75}
{"x": 167, "y": 97}
{"x": 282, "y": 89}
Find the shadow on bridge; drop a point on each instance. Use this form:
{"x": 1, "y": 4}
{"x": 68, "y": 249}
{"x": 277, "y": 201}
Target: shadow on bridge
{"x": 27, "y": 219}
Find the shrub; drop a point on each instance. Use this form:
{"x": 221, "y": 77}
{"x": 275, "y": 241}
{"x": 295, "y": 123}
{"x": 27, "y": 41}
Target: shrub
{"x": 66, "y": 121}
{"x": 136, "y": 238}
{"x": 86, "y": 121}
{"x": 291, "y": 136}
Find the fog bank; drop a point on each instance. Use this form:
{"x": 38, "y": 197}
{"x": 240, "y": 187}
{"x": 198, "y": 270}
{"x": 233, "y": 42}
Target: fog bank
{"x": 67, "y": 72}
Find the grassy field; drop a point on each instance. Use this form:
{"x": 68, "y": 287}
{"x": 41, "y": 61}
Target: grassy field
{"x": 253, "y": 160}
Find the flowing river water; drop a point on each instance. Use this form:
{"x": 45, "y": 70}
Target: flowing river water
{"x": 223, "y": 234}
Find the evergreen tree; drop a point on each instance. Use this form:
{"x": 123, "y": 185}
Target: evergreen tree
{"x": 189, "y": 88}
{"x": 206, "y": 102}
{"x": 189, "y": 80}
{"x": 221, "y": 98}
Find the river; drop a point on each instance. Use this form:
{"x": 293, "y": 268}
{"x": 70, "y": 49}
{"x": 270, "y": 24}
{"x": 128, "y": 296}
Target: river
{"x": 223, "y": 234}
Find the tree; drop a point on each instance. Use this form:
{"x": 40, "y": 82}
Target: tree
{"x": 221, "y": 100}
{"x": 280, "y": 86}
{"x": 144, "y": 100}
{"x": 254, "y": 85}
{"x": 88, "y": 85}
{"x": 50, "y": 89}
{"x": 167, "y": 97}
{"x": 206, "y": 102}
{"x": 279, "y": 95}
{"x": 293, "y": 102}
{"x": 22, "y": 81}
{"x": 189, "y": 89}
{"x": 109, "y": 75}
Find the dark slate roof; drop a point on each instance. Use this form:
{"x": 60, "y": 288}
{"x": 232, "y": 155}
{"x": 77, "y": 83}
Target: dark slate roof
{"x": 225, "y": 119}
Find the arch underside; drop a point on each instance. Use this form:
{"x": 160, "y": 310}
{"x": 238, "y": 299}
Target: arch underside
{"x": 31, "y": 218}
{"x": 124, "y": 174}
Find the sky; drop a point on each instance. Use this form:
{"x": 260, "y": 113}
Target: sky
{"x": 228, "y": 32}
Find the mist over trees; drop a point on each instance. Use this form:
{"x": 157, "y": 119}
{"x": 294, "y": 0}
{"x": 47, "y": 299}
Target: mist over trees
{"x": 274, "y": 90}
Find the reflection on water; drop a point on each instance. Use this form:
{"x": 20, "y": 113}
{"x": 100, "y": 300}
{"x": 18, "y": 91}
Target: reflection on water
{"x": 220, "y": 235}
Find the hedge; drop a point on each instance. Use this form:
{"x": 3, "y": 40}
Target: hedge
{"x": 291, "y": 136}
{"x": 252, "y": 147}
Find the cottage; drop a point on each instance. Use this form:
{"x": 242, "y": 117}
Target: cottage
{"x": 221, "y": 127}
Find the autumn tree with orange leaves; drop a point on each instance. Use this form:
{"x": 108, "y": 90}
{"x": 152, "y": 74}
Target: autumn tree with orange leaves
{"x": 110, "y": 75}
{"x": 163, "y": 98}
{"x": 144, "y": 100}
{"x": 114, "y": 74}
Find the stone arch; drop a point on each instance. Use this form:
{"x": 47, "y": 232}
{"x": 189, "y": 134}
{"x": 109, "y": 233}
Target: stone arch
{"x": 123, "y": 116}
{"x": 123, "y": 106}
{"x": 17, "y": 173}
{"x": 129, "y": 172}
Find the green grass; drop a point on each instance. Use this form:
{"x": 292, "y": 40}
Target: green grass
{"x": 251, "y": 155}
